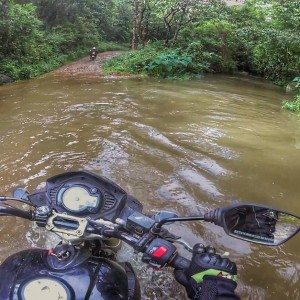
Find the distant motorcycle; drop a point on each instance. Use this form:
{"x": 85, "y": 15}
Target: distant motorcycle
{"x": 92, "y": 215}
{"x": 93, "y": 54}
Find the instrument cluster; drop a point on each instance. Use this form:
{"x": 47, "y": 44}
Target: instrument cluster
{"x": 80, "y": 198}
{"x": 82, "y": 193}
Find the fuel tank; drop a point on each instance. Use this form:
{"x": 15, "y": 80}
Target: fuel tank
{"x": 42, "y": 274}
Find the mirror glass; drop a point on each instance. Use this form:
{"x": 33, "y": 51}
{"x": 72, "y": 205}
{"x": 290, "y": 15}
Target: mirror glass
{"x": 260, "y": 224}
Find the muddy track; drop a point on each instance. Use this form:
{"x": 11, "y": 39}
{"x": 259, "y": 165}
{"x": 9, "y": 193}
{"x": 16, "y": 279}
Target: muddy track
{"x": 87, "y": 68}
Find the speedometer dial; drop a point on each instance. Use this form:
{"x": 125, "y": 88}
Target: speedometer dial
{"x": 79, "y": 199}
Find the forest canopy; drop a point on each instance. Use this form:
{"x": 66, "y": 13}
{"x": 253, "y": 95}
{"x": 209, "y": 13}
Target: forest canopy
{"x": 172, "y": 37}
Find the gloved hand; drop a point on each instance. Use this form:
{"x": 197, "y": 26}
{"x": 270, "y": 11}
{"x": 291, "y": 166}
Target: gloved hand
{"x": 209, "y": 276}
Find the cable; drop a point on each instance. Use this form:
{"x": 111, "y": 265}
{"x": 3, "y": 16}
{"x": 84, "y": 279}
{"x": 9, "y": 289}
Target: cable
{"x": 5, "y": 198}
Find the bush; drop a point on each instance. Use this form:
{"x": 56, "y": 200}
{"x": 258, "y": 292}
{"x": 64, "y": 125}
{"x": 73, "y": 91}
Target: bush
{"x": 214, "y": 46}
{"x": 276, "y": 56}
{"x": 154, "y": 60}
{"x": 170, "y": 65}
{"x": 134, "y": 61}
{"x": 112, "y": 46}
{"x": 28, "y": 48}
{"x": 293, "y": 105}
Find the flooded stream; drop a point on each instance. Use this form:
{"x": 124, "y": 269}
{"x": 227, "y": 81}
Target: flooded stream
{"x": 187, "y": 146}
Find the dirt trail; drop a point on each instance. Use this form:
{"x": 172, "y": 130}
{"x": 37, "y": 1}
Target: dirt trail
{"x": 87, "y": 68}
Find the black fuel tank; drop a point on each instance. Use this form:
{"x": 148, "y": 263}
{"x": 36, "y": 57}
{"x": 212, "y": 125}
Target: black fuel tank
{"x": 27, "y": 275}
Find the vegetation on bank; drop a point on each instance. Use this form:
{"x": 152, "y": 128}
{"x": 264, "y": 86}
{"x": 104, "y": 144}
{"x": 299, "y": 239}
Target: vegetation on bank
{"x": 294, "y": 104}
{"x": 260, "y": 37}
{"x": 173, "y": 38}
{"x": 40, "y": 35}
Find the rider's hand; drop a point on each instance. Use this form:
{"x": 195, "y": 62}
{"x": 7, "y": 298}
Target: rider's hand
{"x": 209, "y": 276}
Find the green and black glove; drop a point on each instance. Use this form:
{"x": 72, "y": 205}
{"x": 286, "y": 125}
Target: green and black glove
{"x": 209, "y": 276}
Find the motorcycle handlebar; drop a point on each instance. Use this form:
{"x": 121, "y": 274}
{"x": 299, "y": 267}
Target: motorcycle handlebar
{"x": 180, "y": 263}
{"x": 177, "y": 262}
{"x": 8, "y": 210}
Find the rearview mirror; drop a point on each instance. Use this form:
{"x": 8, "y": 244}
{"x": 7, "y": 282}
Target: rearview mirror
{"x": 21, "y": 193}
{"x": 259, "y": 224}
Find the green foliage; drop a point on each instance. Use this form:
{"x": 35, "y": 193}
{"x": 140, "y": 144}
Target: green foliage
{"x": 134, "y": 61}
{"x": 112, "y": 46}
{"x": 293, "y": 105}
{"x": 260, "y": 37}
{"x": 170, "y": 65}
{"x": 277, "y": 54}
{"x": 19, "y": 31}
{"x": 286, "y": 14}
{"x": 154, "y": 60}
{"x": 39, "y": 35}
{"x": 214, "y": 46}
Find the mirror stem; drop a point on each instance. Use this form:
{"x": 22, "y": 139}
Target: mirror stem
{"x": 214, "y": 216}
{"x": 157, "y": 227}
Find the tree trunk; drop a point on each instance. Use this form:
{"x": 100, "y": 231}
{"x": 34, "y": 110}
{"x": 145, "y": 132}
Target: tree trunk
{"x": 135, "y": 37}
{"x": 138, "y": 33}
{"x": 4, "y": 8}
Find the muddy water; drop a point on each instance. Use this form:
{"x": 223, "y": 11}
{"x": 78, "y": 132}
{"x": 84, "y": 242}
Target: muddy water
{"x": 183, "y": 145}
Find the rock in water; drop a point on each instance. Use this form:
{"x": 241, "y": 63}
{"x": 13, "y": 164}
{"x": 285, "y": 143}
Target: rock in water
{"x": 291, "y": 87}
{"x": 5, "y": 79}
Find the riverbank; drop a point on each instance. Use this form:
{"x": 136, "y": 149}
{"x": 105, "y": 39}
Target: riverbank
{"x": 84, "y": 67}
{"x": 87, "y": 67}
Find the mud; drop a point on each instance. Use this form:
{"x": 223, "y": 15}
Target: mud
{"x": 88, "y": 68}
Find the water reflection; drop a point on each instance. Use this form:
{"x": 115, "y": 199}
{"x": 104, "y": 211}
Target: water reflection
{"x": 186, "y": 146}
{"x": 260, "y": 224}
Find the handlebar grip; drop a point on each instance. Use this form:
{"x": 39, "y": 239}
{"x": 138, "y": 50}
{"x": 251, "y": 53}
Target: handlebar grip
{"x": 180, "y": 263}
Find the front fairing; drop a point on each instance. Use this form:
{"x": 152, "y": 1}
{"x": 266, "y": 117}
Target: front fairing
{"x": 93, "y": 279}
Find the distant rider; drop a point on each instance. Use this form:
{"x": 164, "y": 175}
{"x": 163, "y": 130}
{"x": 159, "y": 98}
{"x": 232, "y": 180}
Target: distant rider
{"x": 93, "y": 53}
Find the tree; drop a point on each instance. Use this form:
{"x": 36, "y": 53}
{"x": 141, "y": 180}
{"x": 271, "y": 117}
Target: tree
{"x": 176, "y": 15}
{"x": 140, "y": 7}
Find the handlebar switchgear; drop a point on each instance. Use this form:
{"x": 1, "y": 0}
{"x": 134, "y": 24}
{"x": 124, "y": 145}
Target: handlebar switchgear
{"x": 159, "y": 253}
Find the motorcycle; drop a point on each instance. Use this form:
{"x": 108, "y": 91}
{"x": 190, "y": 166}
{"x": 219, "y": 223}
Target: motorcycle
{"x": 93, "y": 55}
{"x": 92, "y": 216}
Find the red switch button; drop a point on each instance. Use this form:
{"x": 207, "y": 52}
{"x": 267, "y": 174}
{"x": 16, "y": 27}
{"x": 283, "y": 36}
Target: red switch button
{"x": 159, "y": 252}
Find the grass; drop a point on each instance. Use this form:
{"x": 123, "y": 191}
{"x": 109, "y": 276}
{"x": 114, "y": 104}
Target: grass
{"x": 292, "y": 105}
{"x": 30, "y": 68}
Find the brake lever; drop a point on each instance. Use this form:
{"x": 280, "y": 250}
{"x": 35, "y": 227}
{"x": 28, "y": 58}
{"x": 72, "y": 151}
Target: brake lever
{"x": 165, "y": 234}
{"x": 184, "y": 244}
{"x": 190, "y": 248}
